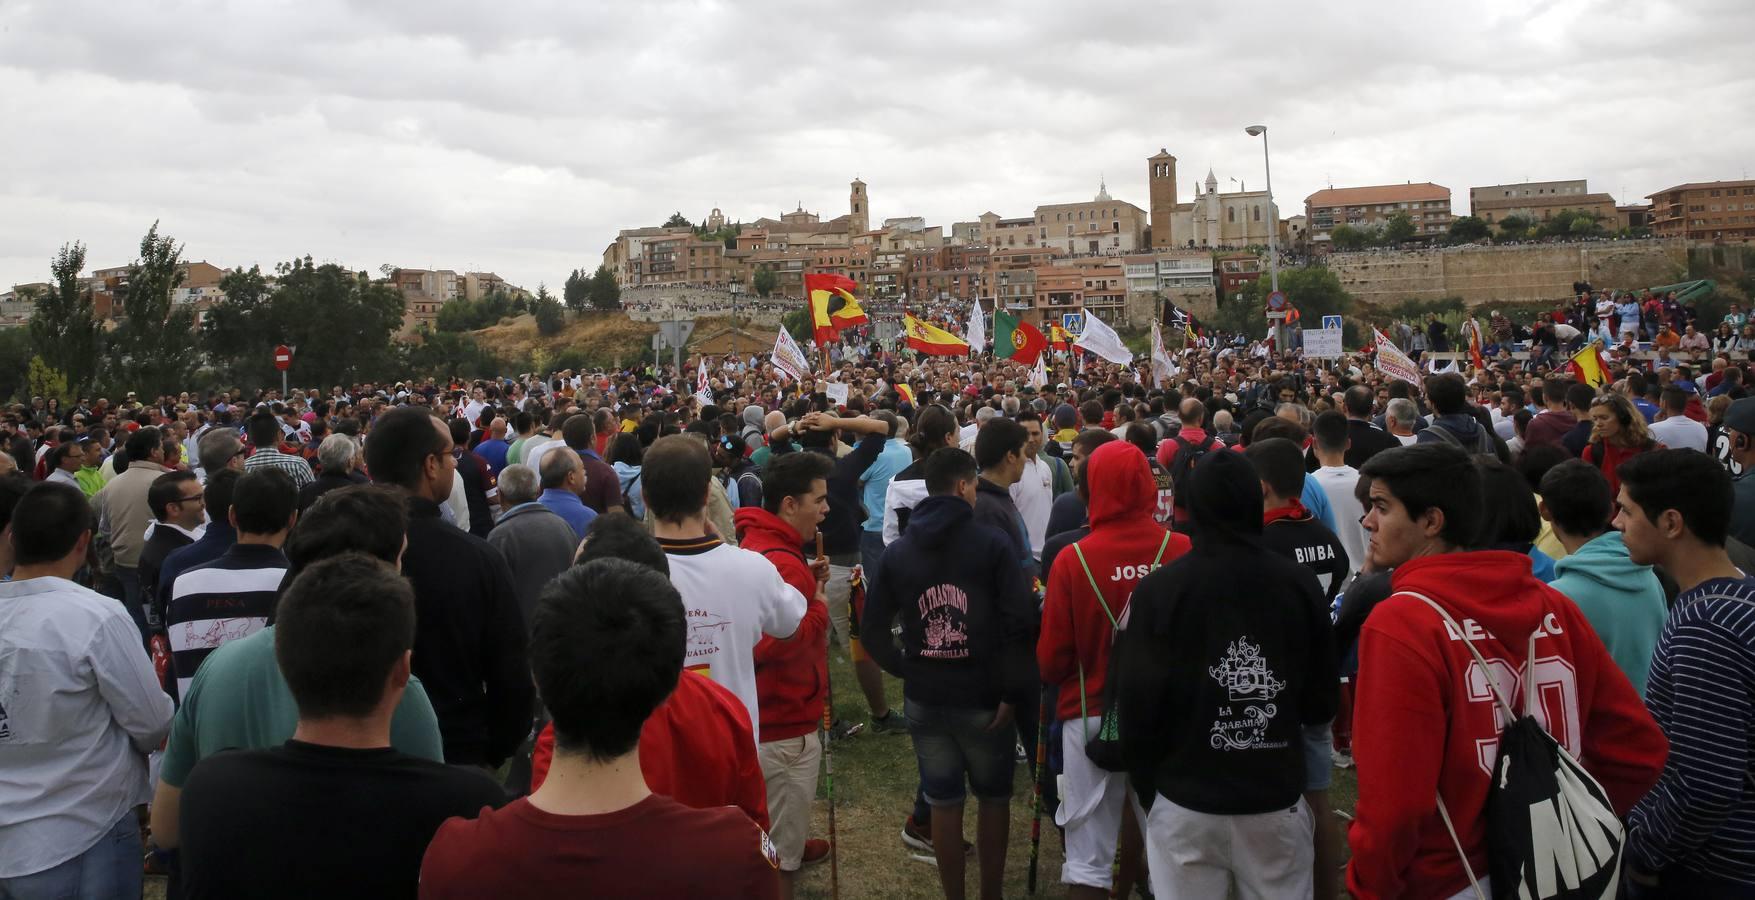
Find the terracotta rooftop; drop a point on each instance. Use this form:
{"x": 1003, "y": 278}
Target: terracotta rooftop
{"x": 1703, "y": 185}
{"x": 1380, "y": 193}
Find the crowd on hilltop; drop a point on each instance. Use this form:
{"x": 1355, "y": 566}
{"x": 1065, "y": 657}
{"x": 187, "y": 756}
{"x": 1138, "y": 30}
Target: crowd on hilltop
{"x": 530, "y": 635}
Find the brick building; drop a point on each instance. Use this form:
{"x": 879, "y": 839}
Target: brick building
{"x": 1705, "y": 211}
{"x": 1537, "y": 201}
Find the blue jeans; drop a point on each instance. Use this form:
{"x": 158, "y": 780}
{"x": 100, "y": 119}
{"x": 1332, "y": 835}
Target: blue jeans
{"x": 871, "y": 549}
{"x": 111, "y": 868}
{"x": 954, "y": 745}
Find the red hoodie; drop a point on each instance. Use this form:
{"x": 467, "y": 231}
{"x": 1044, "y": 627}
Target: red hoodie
{"x": 696, "y": 748}
{"x": 1424, "y": 722}
{"x": 1122, "y": 547}
{"x": 792, "y": 675}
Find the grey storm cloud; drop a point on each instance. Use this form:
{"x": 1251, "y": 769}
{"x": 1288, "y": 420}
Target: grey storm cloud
{"x": 518, "y": 136}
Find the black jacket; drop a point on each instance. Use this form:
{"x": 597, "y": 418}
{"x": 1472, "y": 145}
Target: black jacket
{"x": 1225, "y": 656}
{"x": 966, "y": 625}
{"x": 152, "y": 556}
{"x": 1367, "y": 441}
{"x": 994, "y": 506}
{"x": 843, "y": 525}
{"x": 1303, "y": 539}
{"x": 469, "y": 643}
{"x": 326, "y": 482}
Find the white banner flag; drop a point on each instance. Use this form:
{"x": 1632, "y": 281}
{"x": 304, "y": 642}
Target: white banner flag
{"x": 1163, "y": 367}
{"x": 1039, "y": 375}
{"x": 836, "y": 392}
{"x": 1102, "y": 340}
{"x": 789, "y": 358}
{"x": 1392, "y": 361}
{"x": 976, "y": 334}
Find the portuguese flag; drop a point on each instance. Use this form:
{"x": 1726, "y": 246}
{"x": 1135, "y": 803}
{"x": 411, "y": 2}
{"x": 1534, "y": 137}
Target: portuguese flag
{"x": 1016, "y": 340}
{"x": 932, "y": 340}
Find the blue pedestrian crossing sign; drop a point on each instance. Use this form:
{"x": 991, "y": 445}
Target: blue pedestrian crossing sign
{"x": 1331, "y": 322}
{"x": 1074, "y": 323}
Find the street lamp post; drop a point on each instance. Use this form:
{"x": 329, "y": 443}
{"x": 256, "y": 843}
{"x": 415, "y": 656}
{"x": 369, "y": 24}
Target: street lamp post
{"x": 1273, "y": 216}
{"x": 736, "y": 289}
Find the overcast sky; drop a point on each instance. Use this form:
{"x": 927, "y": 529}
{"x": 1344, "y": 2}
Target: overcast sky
{"x": 517, "y": 136}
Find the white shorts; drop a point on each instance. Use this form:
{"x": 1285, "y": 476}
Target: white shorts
{"x": 789, "y": 766}
{"x": 1197, "y": 856}
{"x": 1091, "y": 805}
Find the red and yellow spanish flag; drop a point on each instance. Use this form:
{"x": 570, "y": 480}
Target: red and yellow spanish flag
{"x": 1589, "y": 366}
{"x": 832, "y": 306}
{"x": 1475, "y": 345}
{"x": 931, "y": 339}
{"x": 1058, "y": 338}
{"x": 905, "y": 392}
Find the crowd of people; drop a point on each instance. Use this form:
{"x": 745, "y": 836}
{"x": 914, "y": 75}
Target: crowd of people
{"x": 521, "y": 637}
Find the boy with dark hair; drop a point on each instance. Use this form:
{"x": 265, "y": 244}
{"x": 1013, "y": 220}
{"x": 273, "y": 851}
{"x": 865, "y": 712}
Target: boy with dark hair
{"x": 233, "y": 596}
{"x": 1622, "y": 599}
{"x": 1287, "y": 527}
{"x": 733, "y": 596}
{"x": 1219, "y": 764}
{"x": 335, "y": 809}
{"x": 698, "y": 746}
{"x": 792, "y": 674}
{"x": 1689, "y": 837}
{"x": 1423, "y": 723}
{"x": 608, "y": 647}
{"x": 967, "y": 663}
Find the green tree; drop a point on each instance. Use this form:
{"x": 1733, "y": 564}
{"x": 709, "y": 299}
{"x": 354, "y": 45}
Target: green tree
{"x": 550, "y": 318}
{"x": 15, "y": 357}
{"x": 1313, "y": 290}
{"x": 340, "y": 321}
{"x": 606, "y": 292}
{"x": 1467, "y": 230}
{"x": 1347, "y": 237}
{"x": 764, "y": 281}
{"x": 154, "y": 351}
{"x": 677, "y": 220}
{"x": 1571, "y": 223}
{"x": 798, "y": 325}
{"x": 442, "y": 355}
{"x": 1514, "y": 228}
{"x": 577, "y": 290}
{"x": 44, "y": 381}
{"x": 64, "y": 328}
{"x": 1398, "y": 230}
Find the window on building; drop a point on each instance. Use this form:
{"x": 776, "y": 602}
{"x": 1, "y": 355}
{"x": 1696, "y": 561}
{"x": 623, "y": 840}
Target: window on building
{"x": 1230, "y": 213}
{"x": 1258, "y": 213}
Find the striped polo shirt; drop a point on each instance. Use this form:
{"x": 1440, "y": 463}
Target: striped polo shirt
{"x": 1701, "y": 815}
{"x": 229, "y": 598}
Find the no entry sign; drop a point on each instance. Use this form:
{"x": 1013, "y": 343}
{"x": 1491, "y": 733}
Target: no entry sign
{"x": 283, "y": 357}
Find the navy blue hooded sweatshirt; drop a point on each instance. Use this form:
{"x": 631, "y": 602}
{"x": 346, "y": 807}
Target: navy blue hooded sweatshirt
{"x": 967, "y": 628}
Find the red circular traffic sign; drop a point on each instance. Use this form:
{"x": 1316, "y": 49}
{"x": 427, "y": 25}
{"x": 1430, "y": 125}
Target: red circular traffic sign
{"x": 283, "y": 357}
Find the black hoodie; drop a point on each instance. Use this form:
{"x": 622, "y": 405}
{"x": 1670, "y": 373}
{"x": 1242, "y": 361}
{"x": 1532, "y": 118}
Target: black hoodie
{"x": 966, "y": 623}
{"x": 1225, "y": 654}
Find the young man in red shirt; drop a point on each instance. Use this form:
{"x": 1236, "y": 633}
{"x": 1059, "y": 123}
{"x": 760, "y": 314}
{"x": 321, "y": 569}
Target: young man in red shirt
{"x": 1425, "y": 721}
{"x": 1088, "y": 592}
{"x": 792, "y": 674}
{"x": 606, "y": 649}
{"x": 698, "y": 747}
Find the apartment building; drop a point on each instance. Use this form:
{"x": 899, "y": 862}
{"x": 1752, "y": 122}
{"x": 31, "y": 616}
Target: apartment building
{"x": 1427, "y": 204}
{"x": 1104, "y": 226}
{"x": 1539, "y": 200}
{"x": 1705, "y": 211}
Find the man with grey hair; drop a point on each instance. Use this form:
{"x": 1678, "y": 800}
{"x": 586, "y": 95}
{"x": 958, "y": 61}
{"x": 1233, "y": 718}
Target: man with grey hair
{"x": 218, "y": 449}
{"x": 1400, "y": 416}
{"x": 338, "y": 458}
{"x": 537, "y": 544}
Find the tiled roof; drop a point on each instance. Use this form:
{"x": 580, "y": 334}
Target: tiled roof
{"x": 1381, "y": 193}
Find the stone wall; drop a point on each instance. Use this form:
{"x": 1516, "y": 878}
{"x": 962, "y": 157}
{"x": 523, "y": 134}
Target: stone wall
{"x": 1522, "y": 273}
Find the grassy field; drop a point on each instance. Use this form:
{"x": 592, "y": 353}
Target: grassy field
{"x": 874, "y": 791}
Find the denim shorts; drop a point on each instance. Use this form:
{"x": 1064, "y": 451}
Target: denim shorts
{"x": 951, "y": 745}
